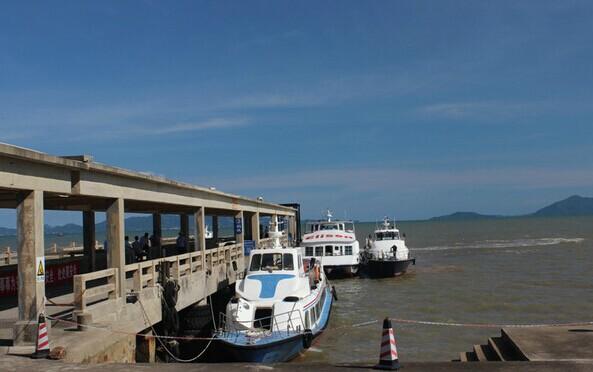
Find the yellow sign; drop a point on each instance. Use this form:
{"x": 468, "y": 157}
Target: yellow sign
{"x": 40, "y": 268}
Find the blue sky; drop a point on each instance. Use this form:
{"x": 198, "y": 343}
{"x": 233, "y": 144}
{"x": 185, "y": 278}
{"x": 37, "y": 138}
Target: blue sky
{"x": 408, "y": 108}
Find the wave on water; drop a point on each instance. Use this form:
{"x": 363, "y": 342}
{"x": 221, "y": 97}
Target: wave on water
{"x": 492, "y": 244}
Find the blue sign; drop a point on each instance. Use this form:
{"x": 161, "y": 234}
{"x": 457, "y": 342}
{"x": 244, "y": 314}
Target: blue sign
{"x": 238, "y": 226}
{"x": 248, "y": 245}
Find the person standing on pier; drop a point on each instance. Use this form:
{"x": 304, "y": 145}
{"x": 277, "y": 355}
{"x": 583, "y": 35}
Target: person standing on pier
{"x": 130, "y": 256}
{"x": 137, "y": 248}
{"x": 145, "y": 244}
{"x": 181, "y": 243}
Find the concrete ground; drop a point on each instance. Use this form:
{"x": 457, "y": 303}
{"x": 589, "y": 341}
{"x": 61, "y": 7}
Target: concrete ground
{"x": 22, "y": 364}
{"x": 554, "y": 343}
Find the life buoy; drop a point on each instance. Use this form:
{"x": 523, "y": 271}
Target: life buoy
{"x": 307, "y": 338}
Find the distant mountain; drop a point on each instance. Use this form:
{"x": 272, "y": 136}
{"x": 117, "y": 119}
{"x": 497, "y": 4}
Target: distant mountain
{"x": 70, "y": 228}
{"x": 573, "y": 206}
{"x": 460, "y": 216}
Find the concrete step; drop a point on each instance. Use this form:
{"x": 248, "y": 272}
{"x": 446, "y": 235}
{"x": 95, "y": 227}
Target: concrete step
{"x": 480, "y": 353}
{"x": 490, "y": 353}
{"x": 505, "y": 351}
{"x": 471, "y": 356}
{"x": 512, "y": 347}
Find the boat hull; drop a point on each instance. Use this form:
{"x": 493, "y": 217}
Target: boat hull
{"x": 282, "y": 348}
{"x": 340, "y": 271}
{"x": 387, "y": 268}
{"x": 279, "y": 351}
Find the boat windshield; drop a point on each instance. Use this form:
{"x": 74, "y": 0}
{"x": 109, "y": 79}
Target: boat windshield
{"x": 329, "y": 226}
{"x": 387, "y": 235}
{"x": 271, "y": 261}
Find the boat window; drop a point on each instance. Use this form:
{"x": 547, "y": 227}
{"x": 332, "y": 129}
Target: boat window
{"x": 318, "y": 251}
{"x": 271, "y": 261}
{"x": 255, "y": 262}
{"x": 388, "y": 235}
{"x": 329, "y": 250}
{"x": 267, "y": 261}
{"x": 338, "y": 251}
{"x": 309, "y": 251}
{"x": 348, "y": 250}
{"x": 349, "y": 227}
{"x": 341, "y": 226}
{"x": 288, "y": 262}
{"x": 329, "y": 227}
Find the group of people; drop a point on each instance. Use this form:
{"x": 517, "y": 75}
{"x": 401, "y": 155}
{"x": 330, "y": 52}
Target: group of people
{"x": 140, "y": 248}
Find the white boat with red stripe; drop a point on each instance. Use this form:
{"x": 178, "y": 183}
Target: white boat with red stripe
{"x": 334, "y": 243}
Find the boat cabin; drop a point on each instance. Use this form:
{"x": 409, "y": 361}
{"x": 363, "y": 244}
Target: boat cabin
{"x": 346, "y": 226}
{"x": 274, "y": 261}
{"x": 328, "y": 250}
{"x": 387, "y": 235}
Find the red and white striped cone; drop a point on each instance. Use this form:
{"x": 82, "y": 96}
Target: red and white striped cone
{"x": 42, "y": 348}
{"x": 388, "y": 356}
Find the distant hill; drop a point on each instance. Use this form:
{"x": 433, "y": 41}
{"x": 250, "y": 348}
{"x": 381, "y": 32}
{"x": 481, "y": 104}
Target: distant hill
{"x": 573, "y": 206}
{"x": 460, "y": 216}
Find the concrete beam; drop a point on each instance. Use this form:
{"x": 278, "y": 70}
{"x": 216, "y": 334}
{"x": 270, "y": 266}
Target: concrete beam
{"x": 23, "y": 175}
{"x": 89, "y": 238}
{"x": 30, "y": 245}
{"x": 115, "y": 240}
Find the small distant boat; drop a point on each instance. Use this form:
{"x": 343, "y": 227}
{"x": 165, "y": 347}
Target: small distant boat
{"x": 334, "y": 244}
{"x": 385, "y": 254}
{"x": 278, "y": 309}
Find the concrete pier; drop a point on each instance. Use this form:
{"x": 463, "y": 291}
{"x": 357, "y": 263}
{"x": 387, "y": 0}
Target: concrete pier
{"x": 32, "y": 182}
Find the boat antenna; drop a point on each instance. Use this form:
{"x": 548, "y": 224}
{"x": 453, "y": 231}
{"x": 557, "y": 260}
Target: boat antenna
{"x": 329, "y": 215}
{"x": 274, "y": 233}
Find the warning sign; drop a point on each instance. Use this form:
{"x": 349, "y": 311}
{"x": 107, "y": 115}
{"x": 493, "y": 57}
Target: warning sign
{"x": 40, "y": 268}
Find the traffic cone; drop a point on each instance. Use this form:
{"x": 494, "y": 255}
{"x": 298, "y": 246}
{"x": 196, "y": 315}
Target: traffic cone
{"x": 388, "y": 356}
{"x": 42, "y": 348}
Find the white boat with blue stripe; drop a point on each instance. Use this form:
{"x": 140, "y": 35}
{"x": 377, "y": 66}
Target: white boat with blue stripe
{"x": 278, "y": 308}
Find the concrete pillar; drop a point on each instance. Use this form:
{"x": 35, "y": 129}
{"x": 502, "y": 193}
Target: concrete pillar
{"x": 157, "y": 231}
{"x": 115, "y": 240}
{"x": 184, "y": 224}
{"x": 200, "y": 228}
{"x": 239, "y": 237}
{"x": 215, "y": 229}
{"x": 88, "y": 238}
{"x": 292, "y": 229}
{"x": 255, "y": 228}
{"x": 30, "y": 245}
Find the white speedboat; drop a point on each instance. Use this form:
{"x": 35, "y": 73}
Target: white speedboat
{"x": 278, "y": 308}
{"x": 386, "y": 253}
{"x": 334, "y": 244}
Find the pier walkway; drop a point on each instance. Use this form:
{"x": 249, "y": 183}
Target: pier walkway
{"x": 32, "y": 182}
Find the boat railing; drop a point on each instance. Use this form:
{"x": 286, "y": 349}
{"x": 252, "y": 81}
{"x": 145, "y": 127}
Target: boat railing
{"x": 229, "y": 327}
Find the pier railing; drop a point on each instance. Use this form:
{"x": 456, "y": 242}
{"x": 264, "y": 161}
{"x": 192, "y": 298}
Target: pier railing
{"x": 84, "y": 293}
{"x": 103, "y": 285}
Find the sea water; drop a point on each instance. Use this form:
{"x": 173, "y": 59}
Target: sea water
{"x": 499, "y": 271}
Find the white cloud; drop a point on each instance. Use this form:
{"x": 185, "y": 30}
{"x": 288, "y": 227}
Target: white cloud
{"x": 214, "y": 123}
